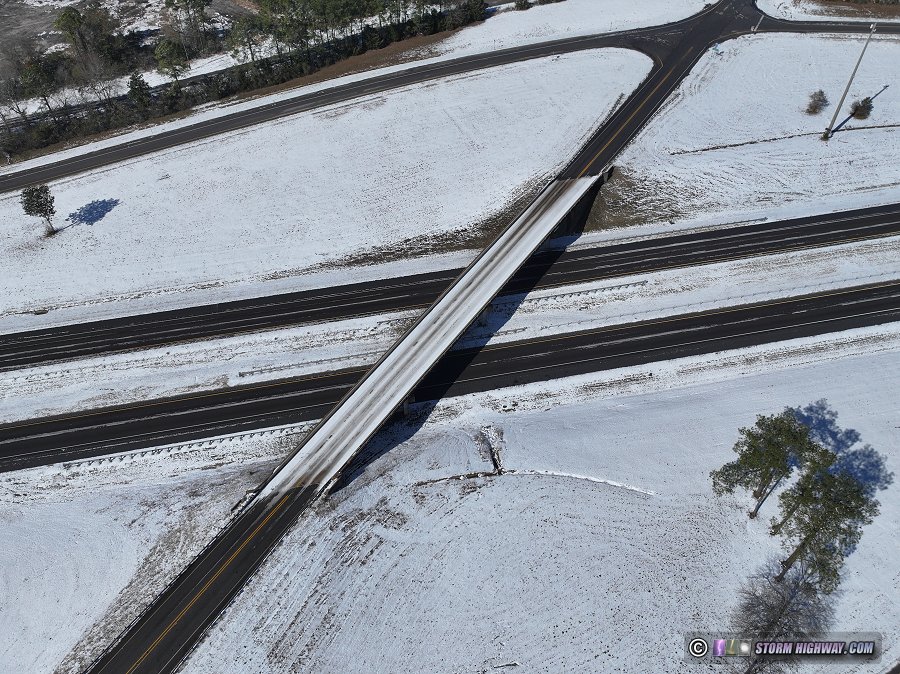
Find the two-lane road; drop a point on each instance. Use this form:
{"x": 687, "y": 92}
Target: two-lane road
{"x": 736, "y": 17}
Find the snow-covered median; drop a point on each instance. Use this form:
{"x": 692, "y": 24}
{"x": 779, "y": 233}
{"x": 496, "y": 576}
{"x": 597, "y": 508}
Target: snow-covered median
{"x": 212, "y": 364}
{"x": 599, "y": 546}
{"x": 414, "y": 171}
{"x": 811, "y": 10}
{"x": 604, "y": 516}
{"x": 735, "y": 141}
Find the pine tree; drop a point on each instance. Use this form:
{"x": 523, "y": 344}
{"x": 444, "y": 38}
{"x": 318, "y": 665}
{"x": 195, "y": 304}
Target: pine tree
{"x": 170, "y": 60}
{"x": 139, "y": 92}
{"x": 824, "y": 530}
{"x": 38, "y": 202}
{"x": 245, "y": 37}
{"x": 808, "y": 490}
{"x": 767, "y": 453}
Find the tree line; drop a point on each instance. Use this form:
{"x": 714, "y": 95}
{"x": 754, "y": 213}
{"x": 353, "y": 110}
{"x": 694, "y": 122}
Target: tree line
{"x": 283, "y": 40}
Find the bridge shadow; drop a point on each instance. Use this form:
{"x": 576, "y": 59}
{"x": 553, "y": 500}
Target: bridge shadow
{"x": 442, "y": 377}
{"x": 440, "y": 380}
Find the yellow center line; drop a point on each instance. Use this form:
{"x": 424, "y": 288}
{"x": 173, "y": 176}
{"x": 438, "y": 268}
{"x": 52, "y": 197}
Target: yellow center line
{"x": 625, "y": 124}
{"x": 207, "y": 584}
{"x": 634, "y": 114}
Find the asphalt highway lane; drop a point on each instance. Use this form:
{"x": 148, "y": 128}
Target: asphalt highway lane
{"x": 460, "y": 372}
{"x": 175, "y": 621}
{"x": 725, "y": 20}
{"x": 215, "y": 577}
{"x": 272, "y": 111}
{"x": 25, "y": 349}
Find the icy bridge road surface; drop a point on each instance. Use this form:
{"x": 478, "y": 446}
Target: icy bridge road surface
{"x": 342, "y": 433}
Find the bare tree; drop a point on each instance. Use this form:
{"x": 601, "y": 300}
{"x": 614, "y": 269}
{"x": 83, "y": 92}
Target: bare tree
{"x": 98, "y": 77}
{"x": 771, "y": 611}
{"x": 818, "y": 101}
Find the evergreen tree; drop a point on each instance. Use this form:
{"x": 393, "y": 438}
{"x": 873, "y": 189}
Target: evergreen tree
{"x": 808, "y": 490}
{"x": 170, "y": 60}
{"x": 37, "y": 201}
{"x": 767, "y": 453}
{"x": 825, "y": 529}
{"x": 139, "y": 92}
{"x": 245, "y": 37}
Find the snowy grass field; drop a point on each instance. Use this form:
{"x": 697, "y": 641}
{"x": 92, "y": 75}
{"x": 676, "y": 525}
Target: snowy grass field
{"x": 83, "y": 549}
{"x": 734, "y": 142}
{"x": 310, "y": 192}
{"x": 811, "y": 10}
{"x": 88, "y": 383}
{"x": 604, "y": 546}
{"x": 570, "y": 18}
{"x": 600, "y": 542}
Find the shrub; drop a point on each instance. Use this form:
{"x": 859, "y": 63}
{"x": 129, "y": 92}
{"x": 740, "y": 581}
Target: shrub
{"x": 862, "y": 109}
{"x": 818, "y": 101}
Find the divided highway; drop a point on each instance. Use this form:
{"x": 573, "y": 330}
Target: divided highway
{"x": 460, "y": 372}
{"x": 176, "y": 620}
{"x": 544, "y": 270}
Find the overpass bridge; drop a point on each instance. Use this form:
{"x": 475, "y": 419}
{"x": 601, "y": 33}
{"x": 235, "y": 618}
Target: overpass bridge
{"x": 193, "y": 600}
{"x": 343, "y": 432}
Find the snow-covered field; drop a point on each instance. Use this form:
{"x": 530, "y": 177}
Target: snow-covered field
{"x": 75, "y": 541}
{"x": 570, "y": 18}
{"x": 574, "y": 550}
{"x": 810, "y": 10}
{"x": 411, "y": 172}
{"x": 598, "y": 547}
{"x": 211, "y": 364}
{"x": 735, "y": 141}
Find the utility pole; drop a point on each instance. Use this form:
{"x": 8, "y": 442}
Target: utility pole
{"x": 837, "y": 110}
{"x": 758, "y": 23}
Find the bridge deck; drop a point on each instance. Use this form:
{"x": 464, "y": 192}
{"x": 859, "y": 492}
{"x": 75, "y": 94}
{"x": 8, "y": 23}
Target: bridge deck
{"x": 341, "y": 434}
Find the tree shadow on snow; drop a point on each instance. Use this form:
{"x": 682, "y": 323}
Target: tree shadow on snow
{"x": 862, "y": 462}
{"x": 92, "y": 213}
